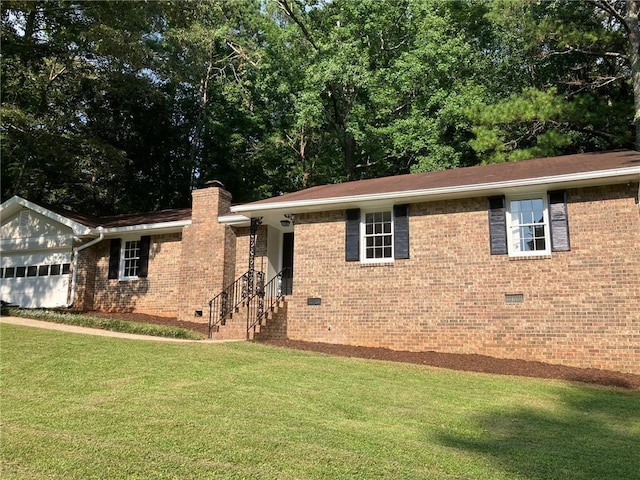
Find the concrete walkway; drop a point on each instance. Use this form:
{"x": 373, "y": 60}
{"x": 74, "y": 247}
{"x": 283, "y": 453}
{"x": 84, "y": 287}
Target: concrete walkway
{"x": 28, "y": 322}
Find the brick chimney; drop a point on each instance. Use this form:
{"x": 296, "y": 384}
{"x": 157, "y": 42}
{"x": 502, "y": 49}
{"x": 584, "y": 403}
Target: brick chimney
{"x": 208, "y": 252}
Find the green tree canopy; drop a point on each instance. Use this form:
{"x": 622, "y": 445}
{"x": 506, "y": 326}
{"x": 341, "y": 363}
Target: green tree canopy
{"x": 112, "y": 107}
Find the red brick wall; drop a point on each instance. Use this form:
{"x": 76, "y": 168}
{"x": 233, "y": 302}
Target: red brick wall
{"x": 207, "y": 254}
{"x": 85, "y": 280}
{"x": 581, "y": 308}
{"x": 155, "y": 295}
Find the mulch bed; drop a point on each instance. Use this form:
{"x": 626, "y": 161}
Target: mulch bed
{"x": 453, "y": 361}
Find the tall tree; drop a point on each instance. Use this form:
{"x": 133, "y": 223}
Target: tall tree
{"x": 574, "y": 87}
{"x": 60, "y": 61}
{"x": 390, "y": 80}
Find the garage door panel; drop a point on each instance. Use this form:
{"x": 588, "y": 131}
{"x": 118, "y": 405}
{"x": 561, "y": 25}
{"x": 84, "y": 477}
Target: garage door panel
{"x": 36, "y": 292}
{"x": 35, "y": 279}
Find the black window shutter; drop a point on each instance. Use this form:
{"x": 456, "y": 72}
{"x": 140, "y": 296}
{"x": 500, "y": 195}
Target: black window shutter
{"x": 401, "y": 231}
{"x": 143, "y": 262}
{"x": 559, "y": 220}
{"x": 114, "y": 258}
{"x": 498, "y": 225}
{"x": 352, "y": 240}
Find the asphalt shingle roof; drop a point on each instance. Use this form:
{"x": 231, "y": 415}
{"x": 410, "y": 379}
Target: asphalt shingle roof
{"x": 461, "y": 177}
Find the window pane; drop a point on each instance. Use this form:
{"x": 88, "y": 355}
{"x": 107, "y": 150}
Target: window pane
{"x": 21, "y": 271}
{"x": 55, "y": 269}
{"x": 66, "y": 267}
{"x": 9, "y": 272}
{"x": 43, "y": 270}
{"x": 538, "y": 208}
{"x": 378, "y": 234}
{"x": 131, "y": 255}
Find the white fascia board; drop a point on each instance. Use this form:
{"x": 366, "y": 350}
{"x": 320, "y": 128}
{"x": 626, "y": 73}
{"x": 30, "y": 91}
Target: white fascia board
{"x": 14, "y": 203}
{"x": 148, "y": 228}
{"x": 577, "y": 179}
{"x": 234, "y": 220}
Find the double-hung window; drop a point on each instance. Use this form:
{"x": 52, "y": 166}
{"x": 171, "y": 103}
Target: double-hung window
{"x": 528, "y": 226}
{"x": 377, "y": 236}
{"x": 130, "y": 259}
{"x": 377, "y": 230}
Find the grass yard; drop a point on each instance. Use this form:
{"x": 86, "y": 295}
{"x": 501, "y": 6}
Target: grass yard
{"x": 83, "y": 407}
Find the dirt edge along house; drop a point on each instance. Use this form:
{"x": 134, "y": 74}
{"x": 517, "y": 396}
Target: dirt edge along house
{"x": 534, "y": 260}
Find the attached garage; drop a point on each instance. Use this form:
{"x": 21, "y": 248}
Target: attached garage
{"x": 36, "y": 250}
{"x": 37, "y": 279}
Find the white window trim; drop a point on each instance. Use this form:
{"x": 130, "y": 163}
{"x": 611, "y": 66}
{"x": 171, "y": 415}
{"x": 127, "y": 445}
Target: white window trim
{"x": 547, "y": 226}
{"x": 363, "y": 237}
{"x": 123, "y": 244}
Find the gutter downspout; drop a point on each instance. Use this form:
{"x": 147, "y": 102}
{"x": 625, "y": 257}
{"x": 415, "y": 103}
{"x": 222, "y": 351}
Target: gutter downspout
{"x": 74, "y": 278}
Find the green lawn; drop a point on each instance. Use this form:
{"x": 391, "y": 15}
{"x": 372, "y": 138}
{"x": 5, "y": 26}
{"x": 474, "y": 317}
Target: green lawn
{"x": 82, "y": 407}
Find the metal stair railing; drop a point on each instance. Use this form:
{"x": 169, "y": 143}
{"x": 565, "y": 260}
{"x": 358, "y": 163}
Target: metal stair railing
{"x": 264, "y": 299}
{"x": 223, "y": 305}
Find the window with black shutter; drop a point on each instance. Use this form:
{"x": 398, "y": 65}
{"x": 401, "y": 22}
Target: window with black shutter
{"x": 129, "y": 258}
{"x": 352, "y": 240}
{"x": 559, "y": 220}
{"x": 529, "y": 225}
{"x": 377, "y": 236}
{"x": 114, "y": 258}
{"x": 401, "y": 231}
{"x": 143, "y": 261}
{"x": 497, "y": 226}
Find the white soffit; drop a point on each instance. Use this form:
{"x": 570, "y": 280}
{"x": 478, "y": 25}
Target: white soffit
{"x": 148, "y": 228}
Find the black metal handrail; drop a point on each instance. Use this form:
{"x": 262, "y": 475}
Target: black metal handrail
{"x": 224, "y": 304}
{"x": 264, "y": 299}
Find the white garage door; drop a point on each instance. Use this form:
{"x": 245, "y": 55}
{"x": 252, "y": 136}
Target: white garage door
{"x": 36, "y": 280}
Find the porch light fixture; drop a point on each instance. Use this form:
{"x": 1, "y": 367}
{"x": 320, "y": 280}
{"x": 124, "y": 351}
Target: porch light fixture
{"x": 289, "y": 219}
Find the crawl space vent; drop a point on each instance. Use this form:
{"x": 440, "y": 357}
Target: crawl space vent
{"x": 513, "y": 298}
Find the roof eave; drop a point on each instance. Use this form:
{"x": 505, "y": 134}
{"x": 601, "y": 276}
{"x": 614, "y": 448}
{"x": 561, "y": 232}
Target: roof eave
{"x": 575, "y": 180}
{"x": 148, "y": 228}
{"x": 235, "y": 220}
{"x": 15, "y": 203}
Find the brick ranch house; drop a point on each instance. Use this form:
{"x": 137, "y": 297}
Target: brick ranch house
{"x": 535, "y": 260}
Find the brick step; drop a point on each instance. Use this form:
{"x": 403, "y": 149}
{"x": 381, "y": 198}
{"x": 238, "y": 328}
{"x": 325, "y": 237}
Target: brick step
{"x": 235, "y": 326}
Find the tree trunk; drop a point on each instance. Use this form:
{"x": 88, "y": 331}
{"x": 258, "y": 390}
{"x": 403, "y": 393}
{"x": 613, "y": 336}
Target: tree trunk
{"x": 348, "y": 150}
{"x": 633, "y": 8}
